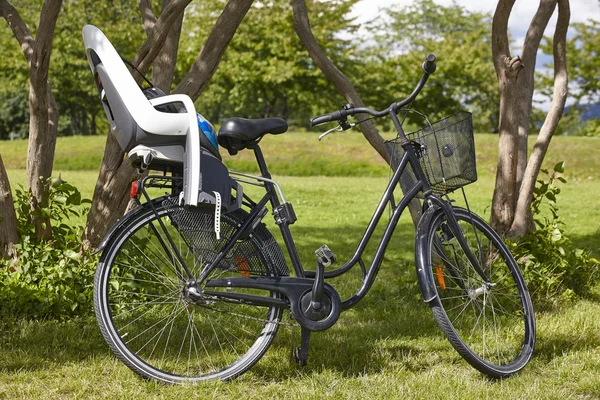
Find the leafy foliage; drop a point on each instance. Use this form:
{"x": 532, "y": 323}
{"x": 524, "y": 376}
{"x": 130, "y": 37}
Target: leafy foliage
{"x": 553, "y": 267}
{"x": 14, "y": 115}
{"x": 51, "y": 278}
{"x": 461, "y": 41}
{"x": 265, "y": 70}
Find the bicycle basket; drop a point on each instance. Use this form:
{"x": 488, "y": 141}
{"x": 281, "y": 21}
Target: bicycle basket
{"x": 446, "y": 155}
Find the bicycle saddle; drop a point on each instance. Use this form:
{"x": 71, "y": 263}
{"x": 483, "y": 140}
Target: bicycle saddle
{"x": 238, "y": 133}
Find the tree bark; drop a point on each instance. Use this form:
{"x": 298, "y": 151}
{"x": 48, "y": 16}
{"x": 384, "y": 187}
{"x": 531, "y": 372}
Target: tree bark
{"x": 43, "y": 122}
{"x": 345, "y": 87}
{"x": 9, "y": 235}
{"x": 163, "y": 67}
{"x": 197, "y": 78}
{"x": 523, "y": 215}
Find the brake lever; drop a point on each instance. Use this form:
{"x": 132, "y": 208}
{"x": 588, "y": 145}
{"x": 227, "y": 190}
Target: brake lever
{"x": 338, "y": 128}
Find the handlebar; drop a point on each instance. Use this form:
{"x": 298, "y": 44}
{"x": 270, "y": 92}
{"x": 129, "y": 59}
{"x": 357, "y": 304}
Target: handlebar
{"x": 428, "y": 67}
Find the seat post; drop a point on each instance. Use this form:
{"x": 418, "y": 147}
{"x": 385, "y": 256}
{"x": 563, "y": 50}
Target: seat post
{"x": 260, "y": 159}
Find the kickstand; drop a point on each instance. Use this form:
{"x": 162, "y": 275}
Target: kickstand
{"x": 301, "y": 353}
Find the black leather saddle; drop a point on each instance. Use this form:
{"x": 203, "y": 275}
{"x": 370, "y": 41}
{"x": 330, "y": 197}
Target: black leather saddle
{"x": 238, "y": 133}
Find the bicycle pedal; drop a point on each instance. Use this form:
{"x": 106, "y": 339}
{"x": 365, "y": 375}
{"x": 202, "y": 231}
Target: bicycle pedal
{"x": 325, "y": 256}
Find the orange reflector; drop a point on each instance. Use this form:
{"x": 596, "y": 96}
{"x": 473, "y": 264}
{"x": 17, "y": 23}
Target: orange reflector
{"x": 134, "y": 189}
{"x": 242, "y": 265}
{"x": 439, "y": 274}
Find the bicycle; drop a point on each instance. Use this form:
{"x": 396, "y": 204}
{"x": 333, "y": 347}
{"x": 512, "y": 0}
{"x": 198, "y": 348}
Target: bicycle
{"x": 188, "y": 293}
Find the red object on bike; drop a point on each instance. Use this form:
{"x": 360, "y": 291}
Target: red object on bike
{"x": 134, "y": 189}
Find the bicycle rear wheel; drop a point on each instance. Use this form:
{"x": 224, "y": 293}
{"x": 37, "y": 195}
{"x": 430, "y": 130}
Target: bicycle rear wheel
{"x": 488, "y": 320}
{"x": 147, "y": 315}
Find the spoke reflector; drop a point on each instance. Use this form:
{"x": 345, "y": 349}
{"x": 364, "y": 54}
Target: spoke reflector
{"x": 242, "y": 265}
{"x": 439, "y": 273}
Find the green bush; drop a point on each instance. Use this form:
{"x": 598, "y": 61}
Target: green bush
{"x": 53, "y": 278}
{"x": 553, "y": 267}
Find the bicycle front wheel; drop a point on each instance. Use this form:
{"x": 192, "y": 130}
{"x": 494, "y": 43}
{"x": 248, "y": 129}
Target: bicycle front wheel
{"x": 487, "y": 316}
{"x": 144, "y": 307}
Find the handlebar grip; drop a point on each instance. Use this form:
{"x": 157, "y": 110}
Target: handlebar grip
{"x": 321, "y": 119}
{"x": 429, "y": 64}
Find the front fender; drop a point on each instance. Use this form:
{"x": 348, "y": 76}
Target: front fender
{"x": 423, "y": 256}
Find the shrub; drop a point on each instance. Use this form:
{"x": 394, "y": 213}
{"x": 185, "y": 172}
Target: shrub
{"x": 553, "y": 267}
{"x": 51, "y": 278}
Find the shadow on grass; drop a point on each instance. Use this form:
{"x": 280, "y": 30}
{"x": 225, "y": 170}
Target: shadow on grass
{"x": 390, "y": 329}
{"x": 589, "y": 243}
{"x": 32, "y": 345}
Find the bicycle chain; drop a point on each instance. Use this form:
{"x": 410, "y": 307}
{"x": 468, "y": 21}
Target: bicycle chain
{"x": 296, "y": 325}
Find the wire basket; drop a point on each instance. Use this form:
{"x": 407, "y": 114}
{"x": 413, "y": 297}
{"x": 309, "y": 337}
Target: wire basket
{"x": 446, "y": 151}
{"x": 259, "y": 255}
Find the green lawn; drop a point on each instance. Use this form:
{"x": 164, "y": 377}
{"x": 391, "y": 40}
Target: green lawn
{"x": 389, "y": 346}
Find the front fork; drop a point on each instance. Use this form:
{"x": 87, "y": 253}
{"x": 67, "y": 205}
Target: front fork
{"x": 423, "y": 259}
{"x": 446, "y": 206}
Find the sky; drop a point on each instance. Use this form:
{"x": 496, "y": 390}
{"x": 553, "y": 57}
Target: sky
{"x": 520, "y": 18}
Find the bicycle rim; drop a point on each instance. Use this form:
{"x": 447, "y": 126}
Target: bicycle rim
{"x": 153, "y": 327}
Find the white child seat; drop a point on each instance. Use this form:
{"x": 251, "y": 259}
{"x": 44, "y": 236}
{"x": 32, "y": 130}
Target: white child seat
{"x": 134, "y": 119}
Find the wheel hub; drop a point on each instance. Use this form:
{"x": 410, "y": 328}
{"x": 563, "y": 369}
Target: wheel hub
{"x": 192, "y": 294}
{"x": 484, "y": 289}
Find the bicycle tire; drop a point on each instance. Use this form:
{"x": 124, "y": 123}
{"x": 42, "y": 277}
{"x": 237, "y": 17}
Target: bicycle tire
{"x": 490, "y": 323}
{"x": 143, "y": 314}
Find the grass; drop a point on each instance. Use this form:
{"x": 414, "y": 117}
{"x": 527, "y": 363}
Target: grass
{"x": 387, "y": 347}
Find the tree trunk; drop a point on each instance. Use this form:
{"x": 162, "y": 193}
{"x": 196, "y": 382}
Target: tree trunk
{"x": 523, "y": 210}
{"x": 345, "y": 87}
{"x": 110, "y": 194}
{"x": 43, "y": 122}
{"x": 9, "y": 235}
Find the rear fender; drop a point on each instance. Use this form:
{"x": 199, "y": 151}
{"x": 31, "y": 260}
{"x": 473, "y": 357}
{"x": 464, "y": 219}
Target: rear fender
{"x": 124, "y": 220}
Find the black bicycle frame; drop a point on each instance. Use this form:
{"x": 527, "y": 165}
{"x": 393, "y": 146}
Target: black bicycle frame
{"x": 409, "y": 158}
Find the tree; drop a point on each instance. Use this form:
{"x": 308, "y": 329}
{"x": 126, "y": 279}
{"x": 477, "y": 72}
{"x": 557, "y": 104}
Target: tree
{"x": 516, "y": 175}
{"x": 266, "y": 70}
{"x": 460, "y": 40}
{"x": 345, "y": 87}
{"x": 110, "y": 195}
{"x": 43, "y": 111}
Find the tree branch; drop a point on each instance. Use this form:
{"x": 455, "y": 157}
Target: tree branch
{"x": 526, "y": 82}
{"x": 163, "y": 67}
{"x": 155, "y": 41}
{"x": 500, "y": 44}
{"x": 342, "y": 84}
{"x": 18, "y": 28}
{"x": 40, "y": 61}
{"x": 148, "y": 16}
{"x": 206, "y": 63}
{"x": 345, "y": 87}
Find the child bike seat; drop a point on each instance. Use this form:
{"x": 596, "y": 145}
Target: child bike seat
{"x": 145, "y": 127}
{"x": 238, "y": 133}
